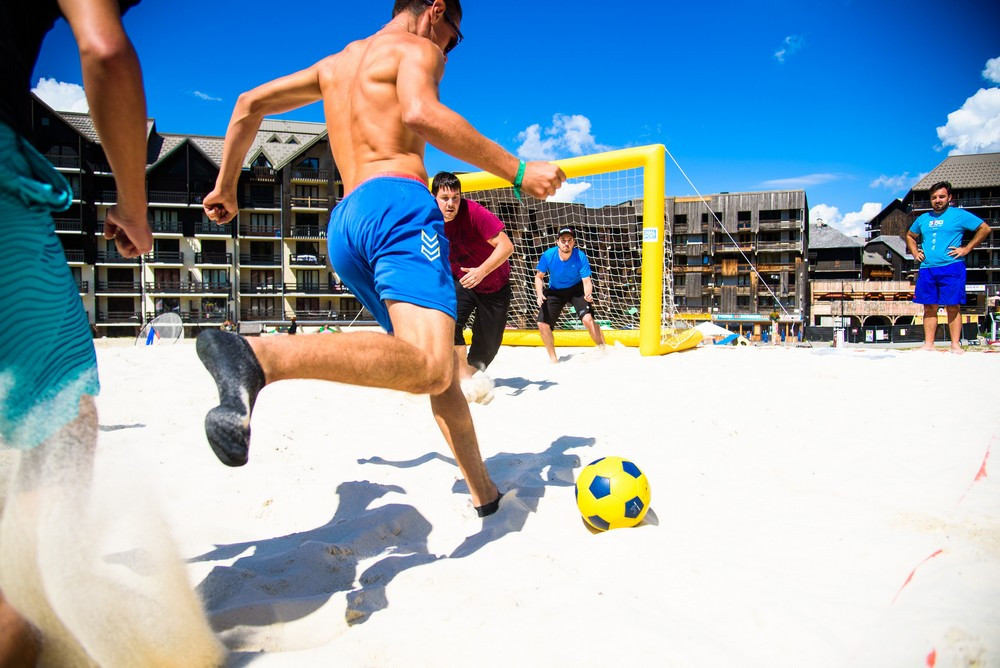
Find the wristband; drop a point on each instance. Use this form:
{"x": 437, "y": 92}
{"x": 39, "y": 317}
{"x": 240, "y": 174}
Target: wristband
{"x": 518, "y": 179}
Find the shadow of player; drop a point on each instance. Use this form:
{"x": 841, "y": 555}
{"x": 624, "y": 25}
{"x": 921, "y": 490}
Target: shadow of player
{"x": 267, "y": 586}
{"x": 520, "y": 385}
{"x": 525, "y": 476}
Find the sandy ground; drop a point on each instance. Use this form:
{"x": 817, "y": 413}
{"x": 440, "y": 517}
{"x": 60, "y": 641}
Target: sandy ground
{"x": 810, "y": 507}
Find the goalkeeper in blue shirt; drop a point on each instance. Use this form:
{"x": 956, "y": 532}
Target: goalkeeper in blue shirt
{"x": 569, "y": 283}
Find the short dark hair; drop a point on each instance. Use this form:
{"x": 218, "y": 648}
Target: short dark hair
{"x": 417, "y": 7}
{"x": 941, "y": 184}
{"x": 445, "y": 180}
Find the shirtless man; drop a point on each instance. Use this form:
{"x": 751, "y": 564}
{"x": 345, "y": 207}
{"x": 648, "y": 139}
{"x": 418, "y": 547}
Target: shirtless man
{"x": 385, "y": 239}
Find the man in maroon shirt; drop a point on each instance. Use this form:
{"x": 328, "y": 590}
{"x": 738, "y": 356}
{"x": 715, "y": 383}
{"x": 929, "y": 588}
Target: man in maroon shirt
{"x": 479, "y": 252}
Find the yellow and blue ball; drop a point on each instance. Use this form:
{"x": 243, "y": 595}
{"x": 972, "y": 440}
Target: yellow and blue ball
{"x": 612, "y": 493}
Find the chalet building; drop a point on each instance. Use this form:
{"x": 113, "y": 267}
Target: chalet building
{"x": 716, "y": 246}
{"x": 268, "y": 266}
{"x": 893, "y": 220}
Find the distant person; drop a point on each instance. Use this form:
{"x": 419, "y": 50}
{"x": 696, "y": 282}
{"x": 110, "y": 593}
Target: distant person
{"x": 294, "y": 327}
{"x": 386, "y": 237}
{"x": 941, "y": 279}
{"x": 48, "y": 374}
{"x": 569, "y": 283}
{"x": 479, "y": 266}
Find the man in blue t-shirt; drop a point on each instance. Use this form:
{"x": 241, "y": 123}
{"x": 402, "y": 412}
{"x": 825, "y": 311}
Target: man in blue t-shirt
{"x": 569, "y": 282}
{"x": 941, "y": 280}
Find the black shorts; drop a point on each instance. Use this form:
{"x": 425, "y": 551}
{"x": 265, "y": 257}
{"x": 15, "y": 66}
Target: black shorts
{"x": 489, "y": 311}
{"x": 557, "y": 298}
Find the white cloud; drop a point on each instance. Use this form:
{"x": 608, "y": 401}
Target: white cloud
{"x": 801, "y": 181}
{"x": 852, "y": 224}
{"x": 792, "y": 44}
{"x": 975, "y": 128}
{"x": 206, "y": 96}
{"x": 568, "y": 192}
{"x": 992, "y": 71}
{"x": 62, "y": 96}
{"x": 568, "y": 135}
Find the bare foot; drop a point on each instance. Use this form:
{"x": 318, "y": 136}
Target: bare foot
{"x": 956, "y": 351}
{"x": 927, "y": 347}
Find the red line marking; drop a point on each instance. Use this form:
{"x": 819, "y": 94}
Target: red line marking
{"x": 914, "y": 572}
{"x": 932, "y": 658}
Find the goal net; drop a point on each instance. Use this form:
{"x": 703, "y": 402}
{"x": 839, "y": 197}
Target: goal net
{"x": 615, "y": 203}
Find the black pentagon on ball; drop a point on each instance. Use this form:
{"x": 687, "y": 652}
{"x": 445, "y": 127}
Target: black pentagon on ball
{"x": 598, "y": 522}
{"x": 631, "y": 469}
{"x": 600, "y": 487}
{"x": 634, "y": 507}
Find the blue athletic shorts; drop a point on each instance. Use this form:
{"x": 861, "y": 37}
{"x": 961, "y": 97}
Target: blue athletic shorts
{"x": 943, "y": 286}
{"x": 386, "y": 241}
{"x": 47, "y": 359}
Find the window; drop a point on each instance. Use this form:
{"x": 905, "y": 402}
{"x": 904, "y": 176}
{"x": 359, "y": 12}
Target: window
{"x": 309, "y": 163}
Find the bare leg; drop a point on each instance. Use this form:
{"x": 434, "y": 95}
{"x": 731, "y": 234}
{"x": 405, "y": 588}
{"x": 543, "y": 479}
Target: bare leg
{"x": 930, "y": 326}
{"x": 465, "y": 370}
{"x": 594, "y": 329}
{"x": 549, "y": 340}
{"x": 955, "y": 328}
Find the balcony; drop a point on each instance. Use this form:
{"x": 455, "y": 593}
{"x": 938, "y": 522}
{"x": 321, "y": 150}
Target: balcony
{"x": 262, "y": 314}
{"x": 68, "y": 225}
{"x": 730, "y": 247}
{"x": 118, "y": 318}
{"x": 188, "y": 287}
{"x": 213, "y": 258}
{"x": 114, "y": 257}
{"x": 119, "y": 287}
{"x": 836, "y": 265}
{"x": 311, "y": 175}
{"x": 214, "y": 229}
{"x": 316, "y": 288}
{"x": 250, "y": 230}
{"x": 260, "y": 260}
{"x": 778, "y": 246}
{"x": 261, "y": 203}
{"x": 164, "y": 227}
{"x": 103, "y": 197}
{"x": 64, "y": 161}
{"x": 307, "y": 260}
{"x": 307, "y": 232}
{"x": 259, "y": 289}
{"x": 261, "y": 174}
{"x": 311, "y": 203}
{"x": 168, "y": 197}
{"x": 775, "y": 225}
{"x": 165, "y": 257}
{"x": 74, "y": 256}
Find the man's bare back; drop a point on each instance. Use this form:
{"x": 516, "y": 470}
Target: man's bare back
{"x": 362, "y": 104}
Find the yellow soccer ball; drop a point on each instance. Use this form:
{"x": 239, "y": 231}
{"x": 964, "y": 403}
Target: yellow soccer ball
{"x": 612, "y": 493}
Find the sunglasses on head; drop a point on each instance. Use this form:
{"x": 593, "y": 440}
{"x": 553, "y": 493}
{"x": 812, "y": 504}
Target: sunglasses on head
{"x": 457, "y": 39}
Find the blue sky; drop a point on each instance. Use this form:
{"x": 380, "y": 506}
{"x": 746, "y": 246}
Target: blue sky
{"x": 852, "y": 100}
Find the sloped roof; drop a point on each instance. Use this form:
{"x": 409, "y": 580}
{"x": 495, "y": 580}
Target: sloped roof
{"x": 897, "y": 244}
{"x": 875, "y": 259}
{"x": 980, "y": 170}
{"x": 824, "y": 236}
{"x": 275, "y": 125}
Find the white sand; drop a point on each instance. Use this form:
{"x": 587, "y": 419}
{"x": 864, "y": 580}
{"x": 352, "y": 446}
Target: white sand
{"x": 811, "y": 507}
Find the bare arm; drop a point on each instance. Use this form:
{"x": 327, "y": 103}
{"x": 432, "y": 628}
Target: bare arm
{"x": 982, "y": 232}
{"x": 420, "y": 72}
{"x": 588, "y": 289}
{"x": 539, "y": 287}
{"x": 502, "y": 249}
{"x": 911, "y": 244}
{"x": 112, "y": 80}
{"x": 274, "y": 97}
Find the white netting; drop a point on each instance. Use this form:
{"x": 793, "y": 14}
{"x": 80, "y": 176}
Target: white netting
{"x": 164, "y": 328}
{"x": 606, "y": 212}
